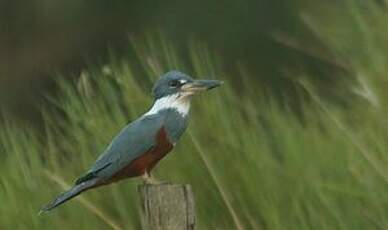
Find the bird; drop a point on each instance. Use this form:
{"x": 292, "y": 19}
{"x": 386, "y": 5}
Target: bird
{"x": 140, "y": 145}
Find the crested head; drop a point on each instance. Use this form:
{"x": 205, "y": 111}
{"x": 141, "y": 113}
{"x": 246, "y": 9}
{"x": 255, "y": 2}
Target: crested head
{"x": 170, "y": 83}
{"x": 174, "y": 90}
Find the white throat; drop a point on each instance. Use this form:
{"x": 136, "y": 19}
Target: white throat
{"x": 179, "y": 102}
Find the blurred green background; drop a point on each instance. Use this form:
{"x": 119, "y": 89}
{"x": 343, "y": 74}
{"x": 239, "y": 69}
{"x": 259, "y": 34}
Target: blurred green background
{"x": 39, "y": 38}
{"x": 295, "y": 139}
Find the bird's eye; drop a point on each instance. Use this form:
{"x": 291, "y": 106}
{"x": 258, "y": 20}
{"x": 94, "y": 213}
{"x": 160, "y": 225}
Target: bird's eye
{"x": 174, "y": 83}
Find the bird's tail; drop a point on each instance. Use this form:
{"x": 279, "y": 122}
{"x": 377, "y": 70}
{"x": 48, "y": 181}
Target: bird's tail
{"x": 73, "y": 192}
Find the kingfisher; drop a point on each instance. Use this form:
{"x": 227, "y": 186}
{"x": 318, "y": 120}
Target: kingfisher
{"x": 136, "y": 150}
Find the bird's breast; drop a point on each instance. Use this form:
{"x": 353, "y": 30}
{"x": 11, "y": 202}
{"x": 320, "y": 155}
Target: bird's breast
{"x": 175, "y": 124}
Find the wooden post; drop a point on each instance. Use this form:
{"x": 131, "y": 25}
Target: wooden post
{"x": 167, "y": 207}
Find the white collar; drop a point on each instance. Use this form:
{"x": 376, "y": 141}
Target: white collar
{"x": 177, "y": 101}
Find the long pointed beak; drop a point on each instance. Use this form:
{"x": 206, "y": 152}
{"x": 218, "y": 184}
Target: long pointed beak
{"x": 201, "y": 85}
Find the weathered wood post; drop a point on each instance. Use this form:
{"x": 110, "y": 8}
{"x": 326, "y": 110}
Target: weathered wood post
{"x": 167, "y": 207}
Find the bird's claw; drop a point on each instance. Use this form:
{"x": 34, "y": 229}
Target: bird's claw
{"x": 148, "y": 179}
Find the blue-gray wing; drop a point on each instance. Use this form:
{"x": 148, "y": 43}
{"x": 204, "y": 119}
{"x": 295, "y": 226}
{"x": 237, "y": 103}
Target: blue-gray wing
{"x": 135, "y": 139}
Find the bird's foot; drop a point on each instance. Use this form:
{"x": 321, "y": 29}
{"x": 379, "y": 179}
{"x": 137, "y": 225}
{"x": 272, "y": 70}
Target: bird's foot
{"x": 148, "y": 179}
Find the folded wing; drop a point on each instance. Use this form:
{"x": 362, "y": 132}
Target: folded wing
{"x": 134, "y": 140}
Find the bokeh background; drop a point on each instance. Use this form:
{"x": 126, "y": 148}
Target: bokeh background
{"x": 295, "y": 139}
{"x": 40, "y": 38}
